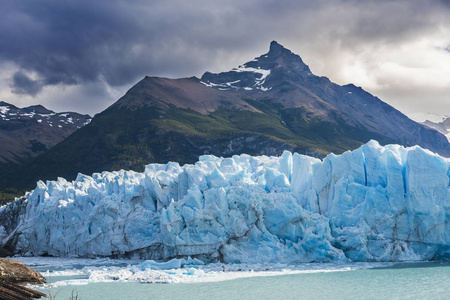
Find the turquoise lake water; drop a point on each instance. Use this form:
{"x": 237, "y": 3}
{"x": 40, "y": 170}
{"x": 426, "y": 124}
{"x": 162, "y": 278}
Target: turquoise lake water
{"x": 399, "y": 281}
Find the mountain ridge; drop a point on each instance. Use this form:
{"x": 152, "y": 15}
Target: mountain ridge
{"x": 442, "y": 127}
{"x": 28, "y": 132}
{"x": 263, "y": 107}
{"x": 181, "y": 92}
{"x": 32, "y": 130}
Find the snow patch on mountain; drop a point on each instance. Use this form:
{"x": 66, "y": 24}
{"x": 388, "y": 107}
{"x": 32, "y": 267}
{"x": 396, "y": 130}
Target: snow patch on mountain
{"x": 259, "y": 80}
{"x": 10, "y": 112}
{"x": 3, "y": 110}
{"x": 222, "y": 86}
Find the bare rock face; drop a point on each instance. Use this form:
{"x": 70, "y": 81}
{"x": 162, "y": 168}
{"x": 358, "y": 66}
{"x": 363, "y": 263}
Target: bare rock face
{"x": 16, "y": 272}
{"x": 4, "y": 252}
{"x": 13, "y": 273}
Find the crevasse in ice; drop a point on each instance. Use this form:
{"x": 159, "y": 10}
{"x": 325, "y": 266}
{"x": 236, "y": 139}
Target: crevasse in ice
{"x": 372, "y": 204}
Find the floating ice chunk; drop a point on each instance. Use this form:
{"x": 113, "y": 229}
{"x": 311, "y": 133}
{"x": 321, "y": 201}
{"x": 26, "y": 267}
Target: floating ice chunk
{"x": 171, "y": 264}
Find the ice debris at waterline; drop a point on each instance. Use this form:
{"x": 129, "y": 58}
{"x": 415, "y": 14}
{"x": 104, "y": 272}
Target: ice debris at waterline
{"x": 371, "y": 204}
{"x": 82, "y": 271}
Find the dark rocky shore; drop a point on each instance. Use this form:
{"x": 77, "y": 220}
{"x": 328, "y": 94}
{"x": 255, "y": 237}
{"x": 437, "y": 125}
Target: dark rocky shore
{"x": 12, "y": 275}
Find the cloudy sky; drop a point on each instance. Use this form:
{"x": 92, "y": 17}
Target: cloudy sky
{"x": 83, "y": 55}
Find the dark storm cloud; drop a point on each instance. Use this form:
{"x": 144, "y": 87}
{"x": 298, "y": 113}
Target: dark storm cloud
{"x": 69, "y": 41}
{"x": 22, "y": 84}
{"x": 79, "y": 42}
{"x": 72, "y": 42}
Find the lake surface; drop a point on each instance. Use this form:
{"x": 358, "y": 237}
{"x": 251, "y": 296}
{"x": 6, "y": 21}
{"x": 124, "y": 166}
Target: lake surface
{"x": 119, "y": 279}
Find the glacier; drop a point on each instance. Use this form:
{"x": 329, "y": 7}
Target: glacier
{"x": 375, "y": 203}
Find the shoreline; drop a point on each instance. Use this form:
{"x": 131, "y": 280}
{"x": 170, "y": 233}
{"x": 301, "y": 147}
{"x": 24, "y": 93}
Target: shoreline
{"x": 111, "y": 279}
{"x": 13, "y": 275}
{"x": 76, "y": 271}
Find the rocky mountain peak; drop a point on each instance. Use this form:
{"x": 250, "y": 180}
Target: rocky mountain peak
{"x": 256, "y": 74}
{"x": 277, "y": 51}
{"x": 276, "y": 47}
{"x": 39, "y": 109}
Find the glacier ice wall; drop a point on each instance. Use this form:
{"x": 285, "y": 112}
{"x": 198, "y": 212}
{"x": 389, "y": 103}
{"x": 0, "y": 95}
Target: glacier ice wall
{"x": 371, "y": 204}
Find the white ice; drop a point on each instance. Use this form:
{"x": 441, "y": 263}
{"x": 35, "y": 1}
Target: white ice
{"x": 85, "y": 271}
{"x": 371, "y": 204}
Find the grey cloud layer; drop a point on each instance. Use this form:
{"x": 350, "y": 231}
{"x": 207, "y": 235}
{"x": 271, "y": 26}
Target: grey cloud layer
{"x": 23, "y": 84}
{"x": 80, "y": 42}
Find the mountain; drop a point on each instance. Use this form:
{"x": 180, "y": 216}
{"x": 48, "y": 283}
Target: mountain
{"x": 263, "y": 107}
{"x": 282, "y": 76}
{"x": 28, "y": 132}
{"x": 443, "y": 126}
{"x": 440, "y": 123}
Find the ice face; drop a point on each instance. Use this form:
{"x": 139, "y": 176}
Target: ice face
{"x": 371, "y": 204}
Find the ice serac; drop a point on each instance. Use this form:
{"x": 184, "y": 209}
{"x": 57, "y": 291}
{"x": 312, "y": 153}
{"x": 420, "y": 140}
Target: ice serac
{"x": 371, "y": 204}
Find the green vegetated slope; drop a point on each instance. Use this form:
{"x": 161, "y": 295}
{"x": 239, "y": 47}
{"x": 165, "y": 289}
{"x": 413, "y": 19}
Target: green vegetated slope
{"x": 120, "y": 138}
